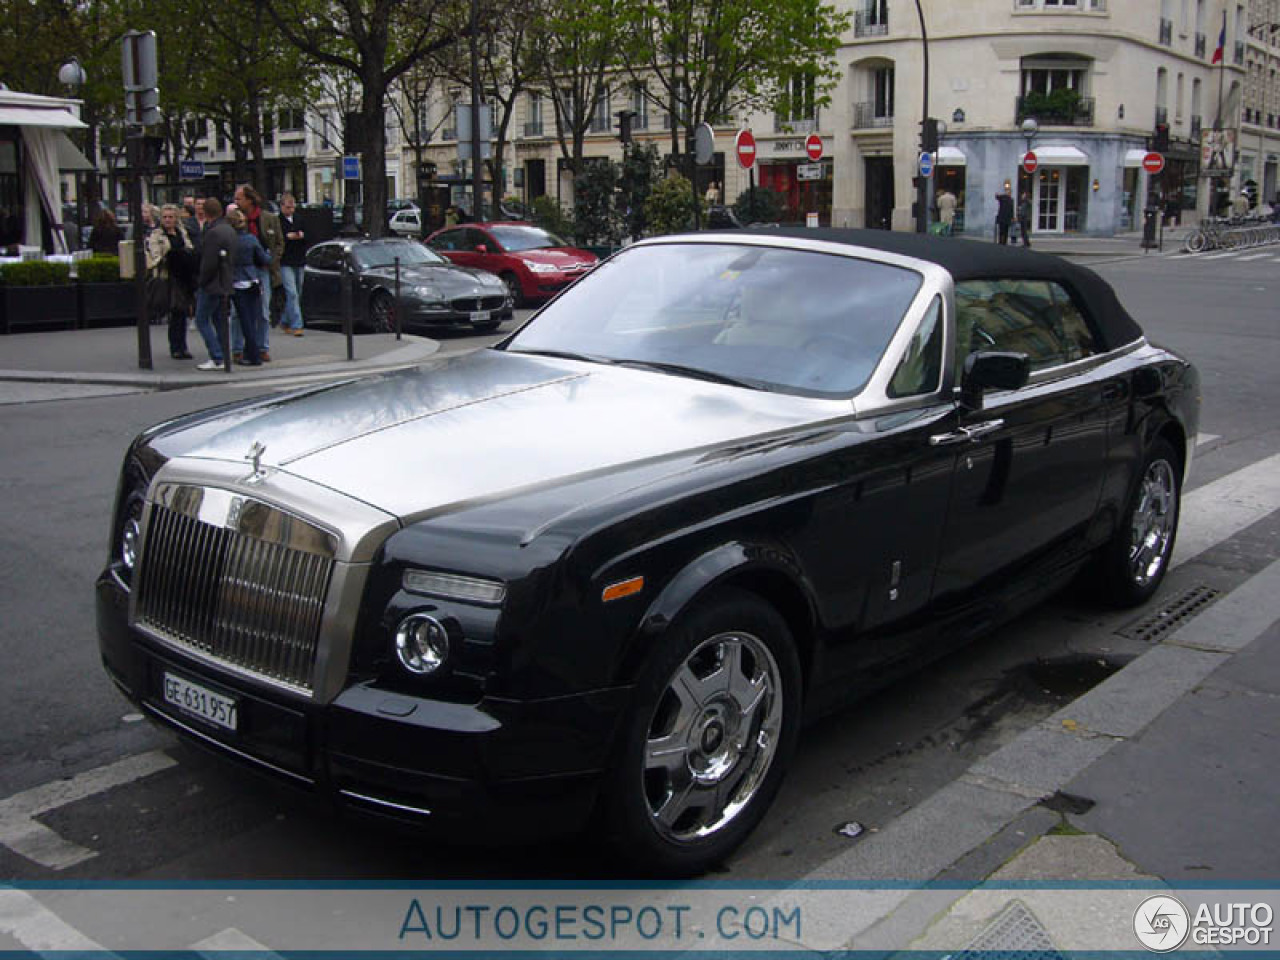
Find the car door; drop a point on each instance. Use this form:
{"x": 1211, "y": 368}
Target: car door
{"x": 322, "y": 282}
{"x": 451, "y": 244}
{"x": 1030, "y": 463}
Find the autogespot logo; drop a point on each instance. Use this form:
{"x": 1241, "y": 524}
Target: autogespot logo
{"x": 1161, "y": 923}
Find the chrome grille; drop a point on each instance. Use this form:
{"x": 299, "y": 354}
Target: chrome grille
{"x": 243, "y": 586}
{"x": 468, "y": 304}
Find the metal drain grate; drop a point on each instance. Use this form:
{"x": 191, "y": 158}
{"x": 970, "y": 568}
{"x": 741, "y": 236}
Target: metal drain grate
{"x": 1172, "y": 615}
{"x": 1014, "y": 935}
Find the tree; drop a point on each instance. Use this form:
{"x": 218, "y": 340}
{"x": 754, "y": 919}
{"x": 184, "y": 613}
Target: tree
{"x": 712, "y": 58}
{"x": 596, "y": 219}
{"x": 577, "y": 43}
{"x": 641, "y": 169}
{"x": 376, "y": 41}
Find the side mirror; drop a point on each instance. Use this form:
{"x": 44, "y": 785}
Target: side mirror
{"x": 992, "y": 370}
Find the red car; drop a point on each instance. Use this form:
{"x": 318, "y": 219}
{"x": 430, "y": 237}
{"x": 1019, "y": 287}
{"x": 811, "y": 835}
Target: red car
{"x": 533, "y": 263}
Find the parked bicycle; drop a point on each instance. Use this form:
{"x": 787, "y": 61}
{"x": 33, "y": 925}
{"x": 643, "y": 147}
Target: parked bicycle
{"x": 1230, "y": 233}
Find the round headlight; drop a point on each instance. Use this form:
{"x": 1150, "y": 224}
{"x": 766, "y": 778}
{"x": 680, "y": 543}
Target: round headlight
{"x": 131, "y": 534}
{"x": 422, "y": 643}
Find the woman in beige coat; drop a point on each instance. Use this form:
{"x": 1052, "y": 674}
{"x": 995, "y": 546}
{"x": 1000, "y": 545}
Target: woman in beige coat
{"x": 171, "y": 277}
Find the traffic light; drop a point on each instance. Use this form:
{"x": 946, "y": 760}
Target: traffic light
{"x": 929, "y": 135}
{"x": 1160, "y": 142}
{"x": 624, "y": 125}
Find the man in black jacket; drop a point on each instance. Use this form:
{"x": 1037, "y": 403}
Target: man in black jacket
{"x": 217, "y": 254}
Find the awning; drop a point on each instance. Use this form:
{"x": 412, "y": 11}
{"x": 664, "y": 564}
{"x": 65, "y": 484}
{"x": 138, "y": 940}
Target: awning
{"x": 1060, "y": 156}
{"x": 1133, "y": 158}
{"x": 39, "y": 117}
{"x": 951, "y": 157}
{"x": 70, "y": 159}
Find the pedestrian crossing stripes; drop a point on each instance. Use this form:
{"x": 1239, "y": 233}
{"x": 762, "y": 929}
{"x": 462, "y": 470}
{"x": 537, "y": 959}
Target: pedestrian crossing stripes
{"x": 1240, "y": 256}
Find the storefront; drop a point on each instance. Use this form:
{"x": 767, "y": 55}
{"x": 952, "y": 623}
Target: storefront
{"x": 805, "y": 185}
{"x": 1059, "y": 189}
{"x": 33, "y": 153}
{"x": 950, "y": 176}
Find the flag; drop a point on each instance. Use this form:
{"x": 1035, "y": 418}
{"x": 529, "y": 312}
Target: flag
{"x": 1222, "y": 41}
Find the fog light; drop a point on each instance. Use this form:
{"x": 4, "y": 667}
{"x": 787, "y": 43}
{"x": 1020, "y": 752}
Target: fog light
{"x": 422, "y": 643}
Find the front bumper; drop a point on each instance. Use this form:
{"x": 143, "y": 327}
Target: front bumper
{"x": 419, "y": 314}
{"x": 501, "y": 764}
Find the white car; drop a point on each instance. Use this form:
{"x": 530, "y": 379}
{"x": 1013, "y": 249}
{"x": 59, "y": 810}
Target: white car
{"x": 407, "y": 222}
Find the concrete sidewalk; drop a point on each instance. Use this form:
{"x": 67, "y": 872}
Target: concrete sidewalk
{"x": 109, "y": 356}
{"x": 1122, "y": 245}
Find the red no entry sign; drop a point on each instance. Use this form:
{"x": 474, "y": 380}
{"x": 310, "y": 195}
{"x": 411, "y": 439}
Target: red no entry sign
{"x": 813, "y": 147}
{"x": 745, "y": 147}
{"x": 1029, "y": 162}
{"x": 1153, "y": 162}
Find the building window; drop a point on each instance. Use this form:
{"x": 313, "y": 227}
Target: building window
{"x": 872, "y": 20}
{"x": 1054, "y": 91}
{"x": 799, "y": 110}
{"x": 291, "y": 120}
{"x": 533, "y": 115}
{"x": 882, "y": 93}
{"x": 196, "y": 131}
{"x": 268, "y": 128}
{"x": 600, "y": 112}
{"x": 640, "y": 106}
{"x": 1061, "y": 6}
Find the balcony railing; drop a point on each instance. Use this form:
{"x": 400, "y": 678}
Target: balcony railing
{"x": 1078, "y": 113}
{"x": 1166, "y": 32}
{"x": 1200, "y": 44}
{"x": 533, "y": 128}
{"x": 869, "y": 115}
{"x": 869, "y": 23}
{"x": 798, "y": 125}
{"x": 1195, "y": 128}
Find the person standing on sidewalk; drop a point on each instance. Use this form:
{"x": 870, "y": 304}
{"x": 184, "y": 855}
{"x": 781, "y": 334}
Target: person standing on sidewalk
{"x": 1024, "y": 218}
{"x": 292, "y": 262}
{"x": 1004, "y": 216}
{"x": 217, "y": 252}
{"x": 266, "y": 227}
{"x": 171, "y": 277}
{"x": 947, "y": 211}
{"x": 248, "y": 265}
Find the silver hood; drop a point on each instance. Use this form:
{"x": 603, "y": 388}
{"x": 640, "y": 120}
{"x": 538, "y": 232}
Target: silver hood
{"x": 477, "y": 426}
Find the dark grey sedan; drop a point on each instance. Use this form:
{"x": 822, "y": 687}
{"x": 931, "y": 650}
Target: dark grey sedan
{"x": 433, "y": 291}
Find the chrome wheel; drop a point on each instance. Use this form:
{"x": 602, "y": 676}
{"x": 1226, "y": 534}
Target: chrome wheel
{"x": 712, "y": 737}
{"x": 1155, "y": 517}
{"x": 513, "y": 288}
{"x": 382, "y": 314}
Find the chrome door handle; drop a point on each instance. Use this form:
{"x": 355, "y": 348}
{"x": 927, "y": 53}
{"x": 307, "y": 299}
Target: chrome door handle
{"x": 966, "y": 434}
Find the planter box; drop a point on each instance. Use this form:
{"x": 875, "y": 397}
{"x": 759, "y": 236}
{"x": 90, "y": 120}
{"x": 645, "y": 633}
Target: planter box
{"x": 105, "y": 304}
{"x": 38, "y": 307}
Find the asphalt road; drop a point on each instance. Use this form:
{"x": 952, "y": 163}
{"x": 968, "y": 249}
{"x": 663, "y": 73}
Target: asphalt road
{"x": 196, "y": 817}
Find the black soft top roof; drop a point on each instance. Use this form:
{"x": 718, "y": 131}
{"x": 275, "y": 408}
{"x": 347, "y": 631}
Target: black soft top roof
{"x": 976, "y": 260}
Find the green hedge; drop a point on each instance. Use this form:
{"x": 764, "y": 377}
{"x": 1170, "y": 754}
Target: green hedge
{"x": 99, "y": 270}
{"x": 35, "y": 273}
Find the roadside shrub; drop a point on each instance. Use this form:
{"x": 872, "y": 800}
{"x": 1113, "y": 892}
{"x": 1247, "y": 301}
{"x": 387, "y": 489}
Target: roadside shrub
{"x": 759, "y": 205}
{"x": 35, "y": 273}
{"x": 595, "y": 217}
{"x": 99, "y": 270}
{"x": 548, "y": 215}
{"x": 669, "y": 208}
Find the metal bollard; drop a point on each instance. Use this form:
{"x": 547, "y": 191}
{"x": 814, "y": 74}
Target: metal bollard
{"x": 347, "y": 320}
{"x": 395, "y": 306}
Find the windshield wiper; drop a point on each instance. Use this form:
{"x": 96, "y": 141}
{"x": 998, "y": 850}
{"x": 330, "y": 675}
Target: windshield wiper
{"x": 695, "y": 373}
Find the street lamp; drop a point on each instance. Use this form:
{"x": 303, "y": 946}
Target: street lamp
{"x": 1030, "y": 127}
{"x": 72, "y": 76}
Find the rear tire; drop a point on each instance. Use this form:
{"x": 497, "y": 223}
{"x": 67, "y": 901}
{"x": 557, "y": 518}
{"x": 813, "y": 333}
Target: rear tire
{"x": 382, "y": 313}
{"x": 1134, "y": 563}
{"x": 711, "y": 731}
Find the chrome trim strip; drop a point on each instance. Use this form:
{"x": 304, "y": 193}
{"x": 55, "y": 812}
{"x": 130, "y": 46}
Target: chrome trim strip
{"x": 219, "y": 745}
{"x": 378, "y": 802}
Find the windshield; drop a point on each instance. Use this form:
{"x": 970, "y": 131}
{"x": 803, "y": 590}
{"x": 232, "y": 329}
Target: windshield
{"x": 801, "y": 322}
{"x": 514, "y": 239}
{"x": 383, "y": 253}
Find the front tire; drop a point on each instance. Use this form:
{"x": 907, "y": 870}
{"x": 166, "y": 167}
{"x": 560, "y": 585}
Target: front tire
{"x": 1136, "y": 560}
{"x": 513, "y": 288}
{"x": 382, "y": 313}
{"x": 711, "y": 732}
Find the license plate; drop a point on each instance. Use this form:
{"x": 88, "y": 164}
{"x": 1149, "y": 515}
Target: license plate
{"x": 198, "y": 701}
{"x": 479, "y": 316}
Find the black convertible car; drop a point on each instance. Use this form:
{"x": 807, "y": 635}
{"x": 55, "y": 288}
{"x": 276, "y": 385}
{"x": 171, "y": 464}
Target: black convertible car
{"x": 603, "y": 572}
{"x": 433, "y": 291}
